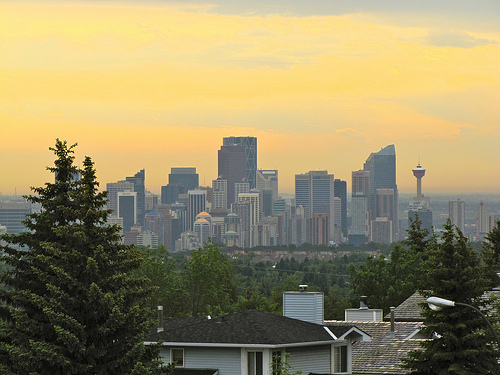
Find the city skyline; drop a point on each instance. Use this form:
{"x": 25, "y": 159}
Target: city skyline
{"x": 159, "y": 84}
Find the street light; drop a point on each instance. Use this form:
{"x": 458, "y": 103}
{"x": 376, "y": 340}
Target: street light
{"x": 437, "y": 304}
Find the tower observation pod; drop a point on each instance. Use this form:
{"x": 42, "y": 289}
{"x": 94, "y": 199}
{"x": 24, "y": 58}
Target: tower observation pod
{"x": 419, "y": 172}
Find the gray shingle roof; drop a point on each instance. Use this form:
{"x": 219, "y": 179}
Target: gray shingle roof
{"x": 382, "y": 354}
{"x": 409, "y": 310}
{"x": 243, "y": 328}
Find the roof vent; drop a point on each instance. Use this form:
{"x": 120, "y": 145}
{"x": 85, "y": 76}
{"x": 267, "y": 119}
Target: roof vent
{"x": 303, "y": 288}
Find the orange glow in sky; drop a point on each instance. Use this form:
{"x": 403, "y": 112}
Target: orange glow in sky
{"x": 158, "y": 84}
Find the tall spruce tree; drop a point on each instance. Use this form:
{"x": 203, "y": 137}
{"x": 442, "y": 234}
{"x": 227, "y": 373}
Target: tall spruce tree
{"x": 461, "y": 342}
{"x": 71, "y": 305}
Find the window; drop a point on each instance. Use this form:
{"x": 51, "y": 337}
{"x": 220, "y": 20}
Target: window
{"x": 340, "y": 359}
{"x": 255, "y": 363}
{"x": 177, "y": 356}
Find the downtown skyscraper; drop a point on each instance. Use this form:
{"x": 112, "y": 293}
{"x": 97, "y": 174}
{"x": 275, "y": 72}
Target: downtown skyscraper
{"x": 250, "y": 144}
{"x": 383, "y": 199}
{"x": 237, "y": 162}
{"x": 315, "y": 192}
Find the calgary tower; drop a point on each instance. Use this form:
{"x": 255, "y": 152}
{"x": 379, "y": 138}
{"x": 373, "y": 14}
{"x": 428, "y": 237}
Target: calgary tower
{"x": 419, "y": 172}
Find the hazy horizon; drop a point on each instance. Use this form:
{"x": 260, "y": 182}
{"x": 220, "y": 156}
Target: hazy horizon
{"x": 158, "y": 84}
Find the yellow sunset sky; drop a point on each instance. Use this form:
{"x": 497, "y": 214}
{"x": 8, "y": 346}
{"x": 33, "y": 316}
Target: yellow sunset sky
{"x": 322, "y": 84}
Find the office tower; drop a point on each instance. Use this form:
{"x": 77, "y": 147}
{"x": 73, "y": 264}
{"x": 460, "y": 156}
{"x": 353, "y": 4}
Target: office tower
{"x": 279, "y": 205}
{"x": 113, "y": 189}
{"x": 266, "y": 232}
{"x": 337, "y": 234}
{"x": 381, "y": 230}
{"x": 232, "y": 164}
{"x": 179, "y": 219}
{"x": 244, "y": 211}
{"x": 482, "y": 220}
{"x": 420, "y": 205}
{"x": 360, "y": 207}
{"x": 250, "y": 144}
{"x": 139, "y": 181}
{"x": 457, "y": 214}
{"x": 166, "y": 237}
{"x": 197, "y": 200}
{"x": 219, "y": 193}
{"x": 180, "y": 180}
{"x": 361, "y": 183}
{"x": 382, "y": 168}
{"x": 203, "y": 227}
{"x": 267, "y": 202}
{"x": 239, "y": 188}
{"x": 127, "y": 209}
{"x": 315, "y": 192}
{"x": 320, "y": 229}
{"x": 151, "y": 200}
{"x": 340, "y": 191}
{"x": 184, "y": 176}
{"x": 268, "y": 179}
{"x": 147, "y": 238}
{"x": 386, "y": 204}
{"x": 12, "y": 215}
{"x": 360, "y": 215}
{"x": 153, "y": 222}
{"x": 254, "y": 200}
{"x": 295, "y": 225}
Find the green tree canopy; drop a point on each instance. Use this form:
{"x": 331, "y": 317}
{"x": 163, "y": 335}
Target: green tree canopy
{"x": 209, "y": 281}
{"x": 388, "y": 282}
{"x": 73, "y": 306}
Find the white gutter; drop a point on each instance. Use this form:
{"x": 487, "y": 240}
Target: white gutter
{"x": 232, "y": 345}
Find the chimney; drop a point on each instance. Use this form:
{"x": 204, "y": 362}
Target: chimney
{"x": 160, "y": 319}
{"x": 303, "y": 288}
{"x": 393, "y": 330}
{"x": 363, "y": 303}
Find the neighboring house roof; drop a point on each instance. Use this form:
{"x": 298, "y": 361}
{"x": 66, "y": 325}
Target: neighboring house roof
{"x": 382, "y": 354}
{"x": 186, "y": 371}
{"x": 409, "y": 310}
{"x": 244, "y": 329}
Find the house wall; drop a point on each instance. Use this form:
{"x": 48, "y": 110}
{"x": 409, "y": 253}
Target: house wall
{"x": 316, "y": 359}
{"x": 227, "y": 360}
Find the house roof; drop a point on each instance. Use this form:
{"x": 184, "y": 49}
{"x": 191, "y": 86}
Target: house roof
{"x": 381, "y": 355}
{"x": 186, "y": 371}
{"x": 245, "y": 328}
{"x": 409, "y": 310}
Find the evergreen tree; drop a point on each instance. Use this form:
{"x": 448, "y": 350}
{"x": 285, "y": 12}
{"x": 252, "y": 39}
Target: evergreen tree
{"x": 461, "y": 342}
{"x": 491, "y": 254}
{"x": 72, "y": 306}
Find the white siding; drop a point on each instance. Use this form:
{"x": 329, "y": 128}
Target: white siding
{"x": 364, "y": 315}
{"x": 226, "y": 360}
{"x": 312, "y": 359}
{"x": 306, "y": 306}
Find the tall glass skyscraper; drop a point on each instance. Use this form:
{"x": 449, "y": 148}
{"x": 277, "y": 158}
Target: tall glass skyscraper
{"x": 382, "y": 168}
{"x": 250, "y": 144}
{"x": 139, "y": 181}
